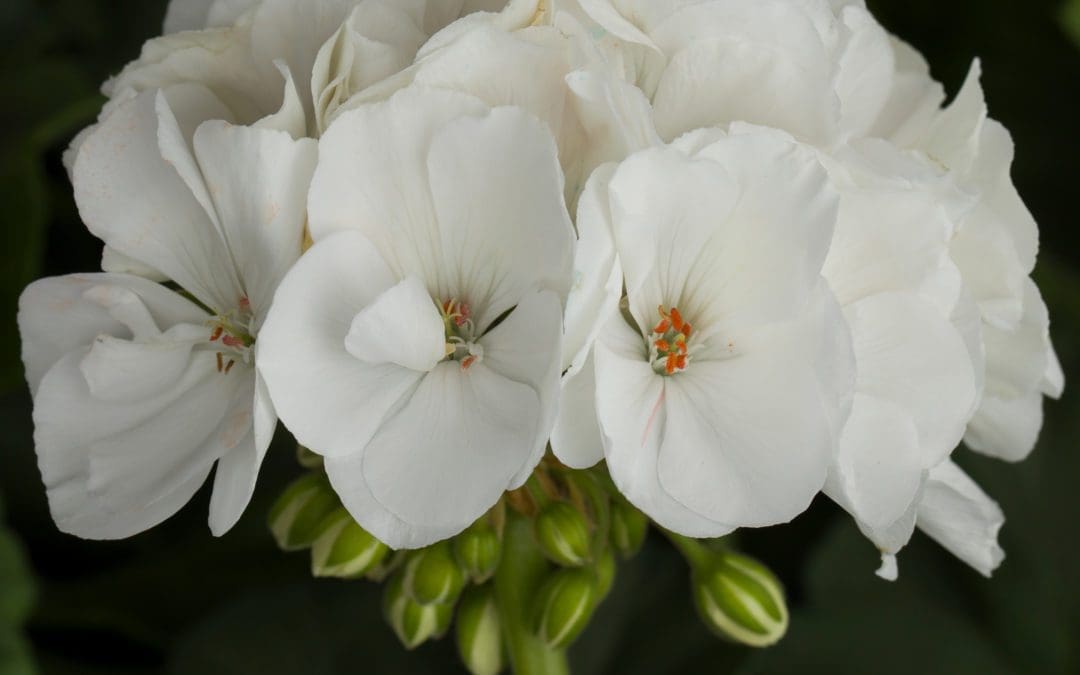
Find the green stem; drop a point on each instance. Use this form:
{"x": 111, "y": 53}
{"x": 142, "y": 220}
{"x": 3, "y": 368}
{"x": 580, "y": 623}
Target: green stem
{"x": 696, "y": 553}
{"x": 520, "y": 572}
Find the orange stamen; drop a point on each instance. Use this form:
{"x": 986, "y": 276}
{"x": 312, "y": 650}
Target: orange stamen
{"x": 220, "y": 364}
{"x": 229, "y": 365}
{"x": 217, "y": 333}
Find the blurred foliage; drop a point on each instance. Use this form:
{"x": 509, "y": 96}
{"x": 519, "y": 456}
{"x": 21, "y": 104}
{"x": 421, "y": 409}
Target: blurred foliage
{"x": 176, "y": 600}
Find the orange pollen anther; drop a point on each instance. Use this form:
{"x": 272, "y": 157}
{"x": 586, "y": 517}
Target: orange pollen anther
{"x": 669, "y": 338}
{"x": 232, "y": 341}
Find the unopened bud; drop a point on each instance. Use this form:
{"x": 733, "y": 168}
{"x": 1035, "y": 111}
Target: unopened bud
{"x": 413, "y": 623}
{"x": 308, "y": 459}
{"x": 478, "y": 549}
{"x": 605, "y": 573}
{"x": 740, "y": 599}
{"x": 479, "y": 632}
{"x": 563, "y": 605}
{"x": 563, "y": 534}
{"x": 432, "y": 576}
{"x": 344, "y": 549}
{"x": 295, "y": 517}
{"x": 628, "y": 528}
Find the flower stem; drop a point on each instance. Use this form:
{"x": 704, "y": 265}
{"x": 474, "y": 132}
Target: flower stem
{"x": 519, "y": 574}
{"x": 696, "y": 553}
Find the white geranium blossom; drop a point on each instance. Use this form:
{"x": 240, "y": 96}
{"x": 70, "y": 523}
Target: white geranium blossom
{"x": 417, "y": 344}
{"x": 911, "y": 327}
{"x": 719, "y": 407}
{"x": 138, "y": 391}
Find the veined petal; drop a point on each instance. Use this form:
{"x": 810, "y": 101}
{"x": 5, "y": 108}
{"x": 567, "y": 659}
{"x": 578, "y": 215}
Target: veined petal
{"x": 522, "y": 238}
{"x": 576, "y": 438}
{"x": 258, "y": 181}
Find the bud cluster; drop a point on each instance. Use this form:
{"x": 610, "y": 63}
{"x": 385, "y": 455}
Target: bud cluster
{"x": 571, "y": 528}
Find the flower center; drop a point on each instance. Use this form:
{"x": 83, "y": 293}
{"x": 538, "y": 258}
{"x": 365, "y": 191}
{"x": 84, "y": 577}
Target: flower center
{"x": 668, "y": 352}
{"x": 232, "y": 335}
{"x": 461, "y": 345}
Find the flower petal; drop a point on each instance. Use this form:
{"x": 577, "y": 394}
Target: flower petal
{"x": 957, "y": 514}
{"x": 401, "y": 326}
{"x": 331, "y": 401}
{"x": 631, "y": 410}
{"x": 258, "y": 180}
{"x": 136, "y": 201}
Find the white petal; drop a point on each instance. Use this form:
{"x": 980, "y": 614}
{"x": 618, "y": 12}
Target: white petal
{"x": 708, "y": 235}
{"x": 767, "y": 68}
{"x": 879, "y": 469}
{"x": 132, "y": 461}
{"x": 464, "y": 437}
{"x": 724, "y": 455}
{"x": 915, "y": 98}
{"x": 61, "y": 314}
{"x": 522, "y": 238}
{"x": 1017, "y": 358}
{"x": 372, "y": 171}
{"x": 331, "y": 401}
{"x": 290, "y": 117}
{"x": 632, "y": 417}
{"x": 135, "y": 201}
{"x": 1006, "y": 428}
{"x": 908, "y": 354}
{"x": 597, "y": 284}
{"x": 865, "y": 70}
{"x": 401, "y": 326}
{"x": 113, "y": 261}
{"x": 258, "y": 180}
{"x": 957, "y": 514}
{"x": 526, "y": 348}
{"x": 238, "y": 469}
{"x": 576, "y": 438}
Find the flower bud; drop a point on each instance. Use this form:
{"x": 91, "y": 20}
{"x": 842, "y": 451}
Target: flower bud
{"x": 563, "y": 535}
{"x": 479, "y": 632}
{"x": 605, "y": 573}
{"x": 413, "y": 623}
{"x": 740, "y": 599}
{"x": 432, "y": 576}
{"x": 344, "y": 549}
{"x": 295, "y": 518}
{"x": 478, "y": 550}
{"x": 628, "y": 528}
{"x": 563, "y": 606}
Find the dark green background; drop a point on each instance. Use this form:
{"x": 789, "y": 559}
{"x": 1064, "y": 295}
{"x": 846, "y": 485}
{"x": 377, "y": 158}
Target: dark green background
{"x": 176, "y": 600}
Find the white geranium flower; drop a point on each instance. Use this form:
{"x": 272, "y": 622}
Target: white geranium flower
{"x": 821, "y": 71}
{"x": 416, "y": 345}
{"x": 720, "y": 406}
{"x": 137, "y": 390}
{"x": 995, "y": 251}
{"x": 918, "y": 357}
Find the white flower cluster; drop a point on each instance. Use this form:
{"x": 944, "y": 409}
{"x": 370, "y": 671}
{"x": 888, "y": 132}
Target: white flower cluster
{"x": 735, "y": 248}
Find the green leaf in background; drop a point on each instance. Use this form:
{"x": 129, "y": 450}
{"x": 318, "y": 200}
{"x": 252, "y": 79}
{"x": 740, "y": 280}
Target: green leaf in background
{"x": 1070, "y": 19}
{"x": 17, "y": 596}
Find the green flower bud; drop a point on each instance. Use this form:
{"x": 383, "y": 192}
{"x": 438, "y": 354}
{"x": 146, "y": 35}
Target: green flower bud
{"x": 563, "y": 534}
{"x": 432, "y": 576}
{"x": 605, "y": 573}
{"x": 478, "y": 550}
{"x": 479, "y": 632}
{"x": 295, "y": 518}
{"x": 740, "y": 599}
{"x": 413, "y": 623}
{"x": 628, "y": 528}
{"x": 344, "y": 549}
{"x": 563, "y": 606}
